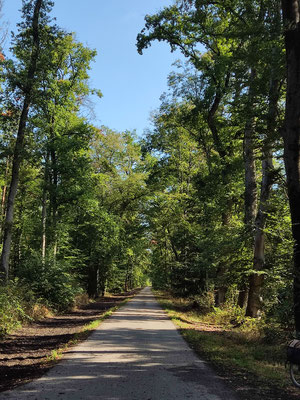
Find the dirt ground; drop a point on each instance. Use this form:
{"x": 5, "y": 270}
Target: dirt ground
{"x": 24, "y": 355}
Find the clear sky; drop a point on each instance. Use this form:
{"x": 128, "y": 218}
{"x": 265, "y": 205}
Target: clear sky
{"x": 131, "y": 84}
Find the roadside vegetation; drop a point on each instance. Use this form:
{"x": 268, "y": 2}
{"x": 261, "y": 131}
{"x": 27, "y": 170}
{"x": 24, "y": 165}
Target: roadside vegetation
{"x": 240, "y": 348}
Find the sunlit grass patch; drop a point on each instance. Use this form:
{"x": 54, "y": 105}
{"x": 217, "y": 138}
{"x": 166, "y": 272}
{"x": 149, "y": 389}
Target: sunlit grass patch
{"x": 239, "y": 350}
{"x": 265, "y": 361}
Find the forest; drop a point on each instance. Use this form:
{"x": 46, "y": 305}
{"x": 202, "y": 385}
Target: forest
{"x": 204, "y": 205}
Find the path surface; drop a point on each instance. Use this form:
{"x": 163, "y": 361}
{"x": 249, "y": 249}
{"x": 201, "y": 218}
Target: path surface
{"x": 137, "y": 354}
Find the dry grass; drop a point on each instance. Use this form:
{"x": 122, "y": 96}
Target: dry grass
{"x": 250, "y": 348}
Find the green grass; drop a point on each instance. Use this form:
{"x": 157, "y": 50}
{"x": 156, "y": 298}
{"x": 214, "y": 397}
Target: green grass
{"x": 263, "y": 361}
{"x": 241, "y": 351}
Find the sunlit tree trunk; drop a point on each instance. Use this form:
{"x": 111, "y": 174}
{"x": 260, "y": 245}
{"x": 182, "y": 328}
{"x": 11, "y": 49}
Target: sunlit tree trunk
{"x": 44, "y": 208}
{"x": 220, "y": 148}
{"x": 250, "y": 178}
{"x": 249, "y": 159}
{"x": 17, "y": 237}
{"x": 54, "y": 186}
{"x": 3, "y": 196}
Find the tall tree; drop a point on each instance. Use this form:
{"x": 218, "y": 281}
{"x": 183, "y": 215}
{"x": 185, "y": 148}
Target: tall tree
{"x": 25, "y": 79}
{"x": 291, "y": 134}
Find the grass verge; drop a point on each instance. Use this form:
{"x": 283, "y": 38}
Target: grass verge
{"x": 242, "y": 355}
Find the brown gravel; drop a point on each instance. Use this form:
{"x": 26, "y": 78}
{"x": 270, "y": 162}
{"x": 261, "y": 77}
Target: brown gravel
{"x": 24, "y": 355}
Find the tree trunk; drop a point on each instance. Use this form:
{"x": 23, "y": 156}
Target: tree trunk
{"x": 126, "y": 283}
{"x": 249, "y": 159}
{"x": 291, "y": 135}
{"x": 243, "y": 297}
{"x": 44, "y": 220}
{"x": 3, "y": 197}
{"x": 53, "y": 195}
{"x": 220, "y": 296}
{"x": 93, "y": 290}
{"x": 256, "y": 280}
{"x": 18, "y": 156}
{"x": 16, "y": 240}
{"x": 220, "y": 148}
{"x": 250, "y": 178}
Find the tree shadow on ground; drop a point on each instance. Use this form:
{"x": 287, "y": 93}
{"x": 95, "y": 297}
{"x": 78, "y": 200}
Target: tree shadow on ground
{"x": 26, "y": 354}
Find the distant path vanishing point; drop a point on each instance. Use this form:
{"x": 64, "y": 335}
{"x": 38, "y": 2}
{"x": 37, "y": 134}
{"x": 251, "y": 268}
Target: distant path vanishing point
{"x": 136, "y": 354}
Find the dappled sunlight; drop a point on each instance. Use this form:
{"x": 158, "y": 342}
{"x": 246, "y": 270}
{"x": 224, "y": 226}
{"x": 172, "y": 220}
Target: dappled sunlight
{"x": 137, "y": 354}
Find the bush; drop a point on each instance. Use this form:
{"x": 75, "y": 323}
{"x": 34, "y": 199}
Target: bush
{"x": 17, "y": 303}
{"x": 53, "y": 281}
{"x": 204, "y": 302}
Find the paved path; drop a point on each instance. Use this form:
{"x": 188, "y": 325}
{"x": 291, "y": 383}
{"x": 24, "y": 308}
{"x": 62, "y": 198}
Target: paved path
{"x": 137, "y": 354}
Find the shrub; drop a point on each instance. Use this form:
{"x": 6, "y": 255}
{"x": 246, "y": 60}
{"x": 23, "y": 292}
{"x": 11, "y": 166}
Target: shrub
{"x": 17, "y": 303}
{"x": 204, "y": 302}
{"x": 53, "y": 281}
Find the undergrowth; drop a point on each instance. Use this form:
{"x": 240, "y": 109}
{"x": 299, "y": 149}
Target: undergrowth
{"x": 18, "y": 305}
{"x": 248, "y": 347}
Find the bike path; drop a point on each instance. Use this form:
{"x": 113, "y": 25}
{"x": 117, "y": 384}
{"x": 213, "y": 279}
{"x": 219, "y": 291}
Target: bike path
{"x": 136, "y": 354}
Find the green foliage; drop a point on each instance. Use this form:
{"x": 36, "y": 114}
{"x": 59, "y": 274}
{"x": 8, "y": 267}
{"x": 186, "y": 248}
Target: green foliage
{"x": 16, "y": 305}
{"x": 52, "y": 281}
{"x": 204, "y": 302}
{"x": 197, "y": 216}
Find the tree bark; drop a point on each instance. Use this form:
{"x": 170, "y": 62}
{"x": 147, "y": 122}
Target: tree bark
{"x": 291, "y": 135}
{"x": 250, "y": 177}
{"x": 256, "y": 280}
{"x": 254, "y": 304}
{"x": 53, "y": 193}
{"x": 220, "y": 296}
{"x": 221, "y": 291}
{"x": 44, "y": 209}
{"x": 243, "y": 297}
{"x": 44, "y": 219}
{"x": 18, "y": 151}
{"x": 3, "y": 197}
{"x": 249, "y": 159}
{"x": 17, "y": 236}
{"x": 93, "y": 289}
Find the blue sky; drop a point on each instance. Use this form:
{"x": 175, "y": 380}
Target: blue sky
{"x": 131, "y": 84}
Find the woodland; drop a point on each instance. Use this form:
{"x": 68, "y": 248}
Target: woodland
{"x": 205, "y": 205}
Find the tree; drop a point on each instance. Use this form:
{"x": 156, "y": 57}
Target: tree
{"x": 291, "y": 134}
{"x": 243, "y": 52}
{"x": 25, "y": 80}
{"x": 63, "y": 89}
{"x": 113, "y": 234}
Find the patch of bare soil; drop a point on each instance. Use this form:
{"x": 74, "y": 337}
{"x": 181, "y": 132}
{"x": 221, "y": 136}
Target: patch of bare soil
{"x": 24, "y": 355}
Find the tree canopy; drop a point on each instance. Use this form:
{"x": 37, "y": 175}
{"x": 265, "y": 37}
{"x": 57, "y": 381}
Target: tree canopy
{"x": 202, "y": 204}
